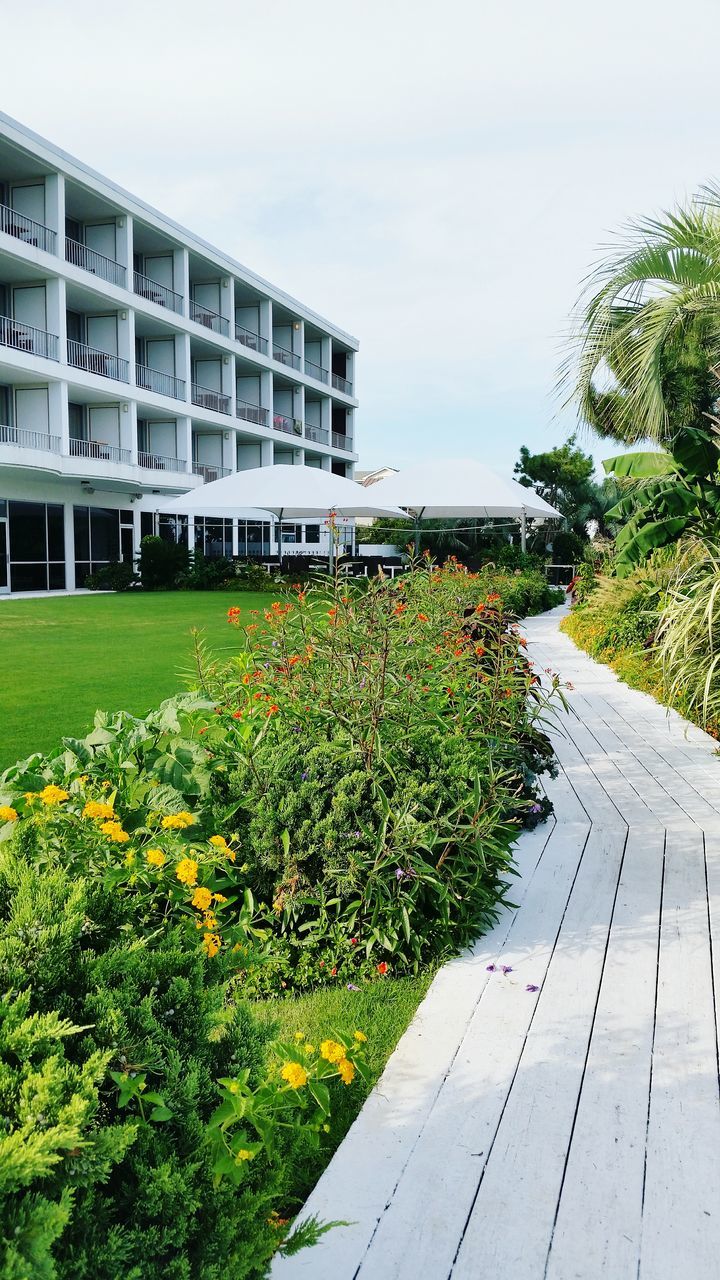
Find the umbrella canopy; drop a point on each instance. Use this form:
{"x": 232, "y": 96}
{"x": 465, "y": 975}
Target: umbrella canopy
{"x": 448, "y": 488}
{"x": 286, "y": 492}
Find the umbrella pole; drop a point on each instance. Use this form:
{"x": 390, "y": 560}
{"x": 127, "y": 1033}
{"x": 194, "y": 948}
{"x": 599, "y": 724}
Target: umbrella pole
{"x": 279, "y": 537}
{"x": 418, "y": 518}
{"x": 523, "y": 531}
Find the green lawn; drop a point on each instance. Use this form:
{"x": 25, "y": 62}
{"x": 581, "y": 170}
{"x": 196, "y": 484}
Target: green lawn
{"x": 66, "y": 657}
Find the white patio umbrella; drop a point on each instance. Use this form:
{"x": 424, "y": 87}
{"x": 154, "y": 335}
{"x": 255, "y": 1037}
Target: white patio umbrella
{"x": 286, "y": 492}
{"x": 450, "y": 487}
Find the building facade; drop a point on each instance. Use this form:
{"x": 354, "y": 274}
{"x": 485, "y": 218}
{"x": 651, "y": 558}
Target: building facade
{"x": 138, "y": 363}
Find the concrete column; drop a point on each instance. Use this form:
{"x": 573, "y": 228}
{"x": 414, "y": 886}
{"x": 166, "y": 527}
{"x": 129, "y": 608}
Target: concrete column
{"x": 128, "y": 429}
{"x": 56, "y": 312}
{"x": 184, "y": 440}
{"x": 229, "y": 449}
{"x": 326, "y": 357}
{"x": 235, "y": 537}
{"x": 266, "y": 453}
{"x": 69, "y": 532}
{"x": 58, "y": 416}
{"x": 227, "y": 302}
{"x": 124, "y": 245}
{"x": 126, "y": 340}
{"x": 299, "y": 406}
{"x": 181, "y": 277}
{"x": 299, "y": 457}
{"x": 228, "y": 382}
{"x": 266, "y": 322}
{"x": 326, "y": 416}
{"x": 183, "y": 364}
{"x": 326, "y": 462}
{"x": 55, "y": 208}
{"x": 266, "y": 393}
{"x": 298, "y": 340}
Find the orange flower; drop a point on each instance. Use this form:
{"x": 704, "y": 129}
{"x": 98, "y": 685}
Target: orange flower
{"x": 272, "y": 709}
{"x": 422, "y": 617}
{"x": 382, "y": 967}
{"x": 479, "y": 651}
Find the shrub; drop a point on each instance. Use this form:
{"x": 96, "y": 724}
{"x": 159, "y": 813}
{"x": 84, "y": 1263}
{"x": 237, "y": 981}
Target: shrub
{"x": 161, "y": 562}
{"x": 119, "y": 576}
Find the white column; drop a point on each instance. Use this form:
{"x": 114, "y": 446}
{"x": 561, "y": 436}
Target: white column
{"x": 299, "y": 457}
{"x": 326, "y": 416}
{"x": 266, "y": 453}
{"x": 181, "y": 275}
{"x": 58, "y": 416}
{"x": 184, "y": 440}
{"x": 124, "y": 245}
{"x": 266, "y": 393}
{"x": 266, "y": 323}
{"x": 69, "y": 532}
{"x": 128, "y": 429}
{"x": 183, "y": 364}
{"x": 229, "y": 450}
{"x": 56, "y": 313}
{"x": 55, "y": 208}
{"x": 227, "y": 302}
{"x": 326, "y": 358}
{"x": 228, "y": 382}
{"x": 298, "y": 340}
{"x": 326, "y": 462}
{"x": 126, "y": 340}
{"x": 298, "y": 411}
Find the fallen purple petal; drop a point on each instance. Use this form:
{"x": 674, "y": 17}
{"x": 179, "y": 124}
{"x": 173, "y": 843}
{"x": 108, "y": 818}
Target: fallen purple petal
{"x": 507, "y": 968}
{"x": 531, "y": 987}
{"x": 491, "y": 968}
{"x": 351, "y": 987}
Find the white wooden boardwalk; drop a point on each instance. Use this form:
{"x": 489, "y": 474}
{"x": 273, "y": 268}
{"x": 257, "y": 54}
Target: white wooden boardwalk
{"x": 572, "y": 1133}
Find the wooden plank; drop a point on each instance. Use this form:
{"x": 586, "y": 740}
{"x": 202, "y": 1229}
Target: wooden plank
{"x": 597, "y": 1231}
{"x": 681, "y": 1215}
{"x": 418, "y": 1233}
{"x": 509, "y": 1230}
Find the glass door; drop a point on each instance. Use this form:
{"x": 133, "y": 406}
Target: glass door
{"x": 4, "y": 574}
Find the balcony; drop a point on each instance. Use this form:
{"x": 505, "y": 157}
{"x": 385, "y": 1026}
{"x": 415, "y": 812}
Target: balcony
{"x": 342, "y": 384}
{"x": 251, "y": 413}
{"x": 209, "y": 472}
{"x": 316, "y": 371}
{"x": 105, "y": 365}
{"x": 29, "y": 439}
{"x": 99, "y": 450}
{"x": 157, "y": 462}
{"x": 209, "y": 319}
{"x": 22, "y": 228}
{"x": 96, "y": 263}
{"x": 318, "y": 434}
{"x": 163, "y": 383}
{"x": 251, "y": 340}
{"x": 341, "y": 442}
{"x": 286, "y": 357}
{"x": 158, "y": 293}
{"x": 208, "y": 399}
{"x": 291, "y": 426}
{"x": 24, "y": 337}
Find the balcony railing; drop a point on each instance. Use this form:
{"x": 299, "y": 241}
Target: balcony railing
{"x": 80, "y": 356}
{"x": 98, "y": 449}
{"x": 24, "y": 337}
{"x": 156, "y": 292}
{"x": 291, "y": 426}
{"x": 319, "y": 434}
{"x": 22, "y": 228}
{"x": 316, "y": 371}
{"x": 251, "y": 340}
{"x": 157, "y": 462}
{"x": 164, "y": 383}
{"x": 209, "y": 319}
{"x": 208, "y": 399}
{"x": 209, "y": 472}
{"x": 94, "y": 262}
{"x": 286, "y": 357}
{"x": 342, "y": 384}
{"x": 341, "y": 442}
{"x": 29, "y": 439}
{"x": 251, "y": 413}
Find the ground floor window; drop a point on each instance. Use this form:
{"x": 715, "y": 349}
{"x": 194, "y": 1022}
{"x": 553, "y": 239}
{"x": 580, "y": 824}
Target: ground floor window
{"x": 103, "y": 535}
{"x": 253, "y": 539}
{"x": 312, "y": 532}
{"x": 36, "y": 536}
{"x": 213, "y": 537}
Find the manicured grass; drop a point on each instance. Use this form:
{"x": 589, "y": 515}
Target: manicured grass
{"x": 382, "y": 1010}
{"x": 64, "y": 658}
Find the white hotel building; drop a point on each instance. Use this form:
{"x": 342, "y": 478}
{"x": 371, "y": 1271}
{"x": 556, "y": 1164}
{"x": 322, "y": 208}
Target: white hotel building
{"x": 137, "y": 363}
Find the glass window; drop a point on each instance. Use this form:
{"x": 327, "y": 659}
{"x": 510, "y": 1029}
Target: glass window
{"x": 104, "y": 535}
{"x": 81, "y": 521}
{"x": 312, "y": 532}
{"x": 28, "y": 577}
{"x": 147, "y": 524}
{"x": 56, "y": 577}
{"x": 56, "y": 532}
{"x": 28, "y": 534}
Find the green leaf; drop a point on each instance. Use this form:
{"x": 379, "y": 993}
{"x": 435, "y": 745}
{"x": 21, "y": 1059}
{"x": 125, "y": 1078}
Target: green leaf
{"x": 640, "y": 466}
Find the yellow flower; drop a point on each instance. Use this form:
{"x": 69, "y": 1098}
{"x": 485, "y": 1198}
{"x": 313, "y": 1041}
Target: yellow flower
{"x": 211, "y": 943}
{"x": 346, "y": 1070}
{"x": 7, "y": 813}
{"x": 52, "y": 795}
{"x": 201, "y": 899}
{"x": 178, "y": 821}
{"x": 332, "y": 1051}
{"x": 84, "y": 777}
{"x": 219, "y": 897}
{"x": 360, "y": 1037}
{"x": 114, "y": 832}
{"x": 130, "y": 857}
{"x": 210, "y": 920}
{"x": 219, "y": 841}
{"x": 309, "y": 1048}
{"x": 186, "y": 872}
{"x": 299, "y": 1035}
{"x": 295, "y": 1075}
{"x": 155, "y": 857}
{"x": 98, "y": 809}
{"x": 30, "y": 796}
{"x": 244, "y": 1154}
{"x": 233, "y": 1087}
{"x": 105, "y": 786}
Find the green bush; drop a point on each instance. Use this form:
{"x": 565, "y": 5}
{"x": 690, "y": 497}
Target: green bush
{"x": 161, "y": 563}
{"x": 113, "y": 577}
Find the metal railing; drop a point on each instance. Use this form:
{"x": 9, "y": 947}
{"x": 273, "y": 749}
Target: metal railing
{"x": 250, "y": 339}
{"x": 316, "y": 371}
{"x": 210, "y": 472}
{"x": 291, "y": 426}
{"x": 251, "y": 413}
{"x": 94, "y": 262}
{"x": 98, "y": 449}
{"x": 157, "y": 462}
{"x": 342, "y": 384}
{"x": 318, "y": 434}
{"x": 286, "y": 357}
{"x": 80, "y": 356}
{"x": 156, "y": 292}
{"x": 209, "y": 319}
{"x": 25, "y": 337}
{"x": 208, "y": 399}
{"x": 341, "y": 442}
{"x": 29, "y": 439}
{"x": 164, "y": 383}
{"x": 22, "y": 228}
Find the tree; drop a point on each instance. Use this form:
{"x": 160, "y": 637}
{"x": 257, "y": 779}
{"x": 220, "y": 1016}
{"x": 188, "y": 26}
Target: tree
{"x": 563, "y": 476}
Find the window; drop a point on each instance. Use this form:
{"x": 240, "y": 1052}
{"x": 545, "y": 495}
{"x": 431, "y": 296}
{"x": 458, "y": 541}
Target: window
{"x": 291, "y": 533}
{"x": 173, "y": 529}
{"x": 99, "y": 534}
{"x": 253, "y": 538}
{"x": 37, "y": 546}
{"x": 213, "y": 537}
{"x": 312, "y": 532}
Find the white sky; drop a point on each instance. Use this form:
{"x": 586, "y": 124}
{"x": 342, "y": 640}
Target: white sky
{"x": 436, "y": 177}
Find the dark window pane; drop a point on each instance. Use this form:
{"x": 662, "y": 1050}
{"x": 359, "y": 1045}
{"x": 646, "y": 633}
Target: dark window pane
{"x": 28, "y": 577}
{"x": 3, "y": 507}
{"x": 57, "y": 577}
{"x": 312, "y": 532}
{"x": 146, "y": 524}
{"x": 126, "y": 544}
{"x": 56, "y": 532}
{"x": 27, "y": 532}
{"x": 82, "y": 569}
{"x": 81, "y": 522}
{"x": 104, "y": 535}
{"x": 126, "y": 517}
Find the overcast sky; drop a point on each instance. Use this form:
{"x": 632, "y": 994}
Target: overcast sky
{"x": 435, "y": 177}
